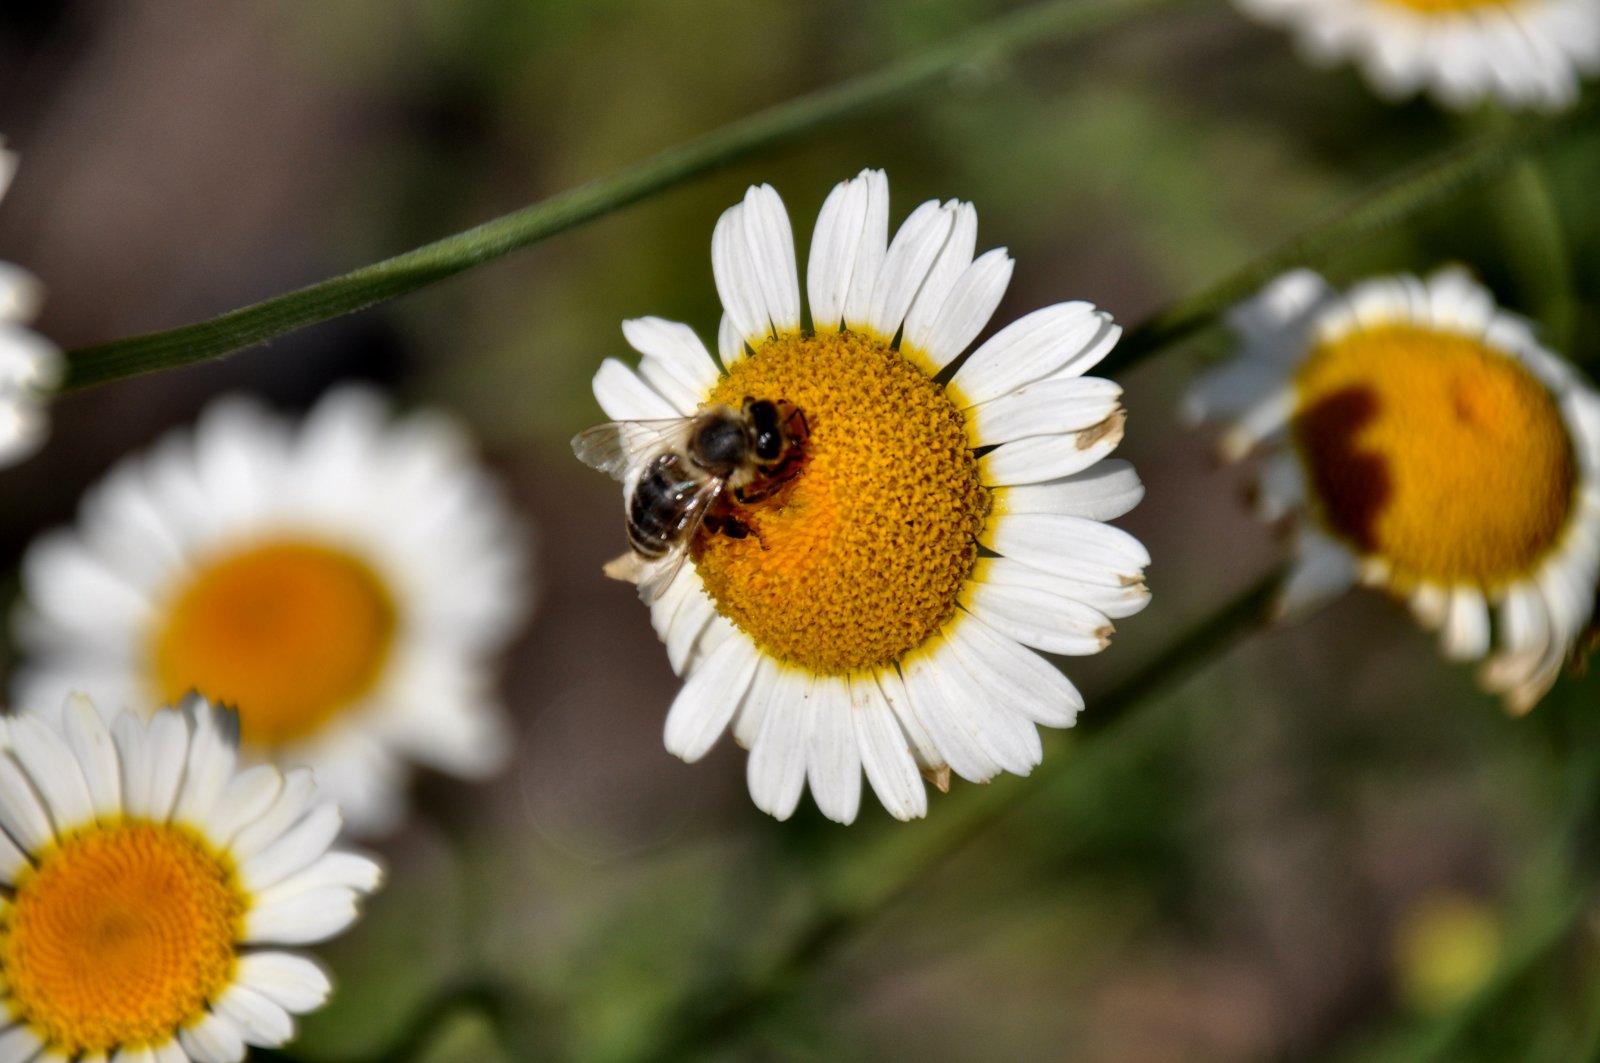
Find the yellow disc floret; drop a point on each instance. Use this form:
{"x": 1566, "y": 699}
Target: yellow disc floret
{"x": 861, "y": 556}
{"x": 1449, "y": 7}
{"x": 288, "y": 632}
{"x": 119, "y": 936}
{"x": 1435, "y": 453}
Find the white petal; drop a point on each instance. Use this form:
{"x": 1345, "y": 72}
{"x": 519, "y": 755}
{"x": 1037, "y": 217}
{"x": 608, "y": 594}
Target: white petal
{"x": 911, "y": 255}
{"x": 702, "y": 709}
{"x": 694, "y": 613}
{"x": 833, "y": 764}
{"x": 13, "y": 861}
{"x": 924, "y": 751}
{"x": 675, "y": 362}
{"x": 885, "y": 753}
{"x": 1106, "y": 491}
{"x": 1004, "y": 731}
{"x": 295, "y": 849}
{"x": 870, "y": 250}
{"x": 753, "y": 706}
{"x": 730, "y": 345}
{"x": 1014, "y": 675}
{"x": 91, "y": 743}
{"x": 1038, "y": 459}
{"x": 841, "y": 224}
{"x": 625, "y": 397}
{"x": 166, "y": 753}
{"x": 1068, "y": 546}
{"x": 1038, "y": 617}
{"x": 1064, "y": 338}
{"x": 213, "y": 753}
{"x": 766, "y": 226}
{"x": 966, "y": 310}
{"x": 776, "y": 769}
{"x": 1465, "y": 635}
{"x": 260, "y": 1021}
{"x": 214, "y": 1039}
{"x": 1044, "y": 408}
{"x": 955, "y": 730}
{"x": 293, "y": 800}
{"x": 19, "y": 1044}
{"x": 301, "y": 918}
{"x": 295, "y": 983}
{"x": 333, "y": 868}
{"x": 21, "y": 813}
{"x": 247, "y": 795}
{"x": 738, "y": 284}
{"x": 1323, "y": 569}
{"x": 952, "y": 263}
{"x": 53, "y": 770}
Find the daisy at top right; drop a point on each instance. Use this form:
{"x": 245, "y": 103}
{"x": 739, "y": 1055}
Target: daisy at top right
{"x": 1422, "y": 441}
{"x": 1523, "y": 53}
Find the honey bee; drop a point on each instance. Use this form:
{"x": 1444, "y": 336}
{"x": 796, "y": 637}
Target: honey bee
{"x": 686, "y": 474}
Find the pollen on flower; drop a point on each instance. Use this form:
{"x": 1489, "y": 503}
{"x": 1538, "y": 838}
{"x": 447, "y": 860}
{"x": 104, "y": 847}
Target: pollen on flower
{"x": 861, "y": 558}
{"x": 120, "y": 935}
{"x": 1440, "y": 455}
{"x": 288, "y": 632}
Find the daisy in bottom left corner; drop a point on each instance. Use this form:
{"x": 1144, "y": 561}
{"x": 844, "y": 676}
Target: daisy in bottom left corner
{"x": 150, "y": 884}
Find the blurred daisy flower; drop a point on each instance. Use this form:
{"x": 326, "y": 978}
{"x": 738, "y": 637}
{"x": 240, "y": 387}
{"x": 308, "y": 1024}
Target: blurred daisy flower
{"x": 344, "y": 584}
{"x": 148, "y": 884}
{"x": 29, "y": 364}
{"x": 1524, "y": 53}
{"x": 1433, "y": 448}
{"x": 868, "y": 604}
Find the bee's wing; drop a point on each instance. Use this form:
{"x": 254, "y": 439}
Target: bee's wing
{"x": 655, "y": 575}
{"x": 618, "y": 447}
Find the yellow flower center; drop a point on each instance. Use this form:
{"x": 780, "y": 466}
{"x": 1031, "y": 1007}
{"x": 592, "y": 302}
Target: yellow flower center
{"x": 119, "y": 936}
{"x": 1448, "y": 7}
{"x": 288, "y": 632}
{"x": 1442, "y": 456}
{"x": 860, "y": 557}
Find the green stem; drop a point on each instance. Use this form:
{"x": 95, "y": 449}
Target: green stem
{"x": 714, "y": 1017}
{"x": 1380, "y": 207}
{"x": 893, "y": 84}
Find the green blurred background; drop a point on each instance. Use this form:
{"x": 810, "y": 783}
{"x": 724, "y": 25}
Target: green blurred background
{"x": 1319, "y": 848}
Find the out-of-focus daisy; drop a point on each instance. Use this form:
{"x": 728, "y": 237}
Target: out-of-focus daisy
{"x": 148, "y": 884}
{"x": 1525, "y": 53}
{"x": 869, "y": 606}
{"x": 1433, "y": 448}
{"x": 29, "y": 363}
{"x": 343, "y": 584}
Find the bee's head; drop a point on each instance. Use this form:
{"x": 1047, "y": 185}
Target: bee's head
{"x": 766, "y": 431}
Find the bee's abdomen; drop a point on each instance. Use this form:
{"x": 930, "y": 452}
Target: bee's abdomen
{"x": 661, "y": 506}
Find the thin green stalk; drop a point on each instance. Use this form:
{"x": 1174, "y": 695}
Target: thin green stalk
{"x": 716, "y": 1016}
{"x": 893, "y": 84}
{"x": 1381, "y": 207}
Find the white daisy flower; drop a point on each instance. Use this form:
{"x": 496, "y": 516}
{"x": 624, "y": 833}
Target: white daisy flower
{"x": 343, "y": 584}
{"x": 1525, "y": 53}
{"x": 30, "y": 365}
{"x": 870, "y": 607}
{"x": 1433, "y": 448}
{"x": 148, "y": 884}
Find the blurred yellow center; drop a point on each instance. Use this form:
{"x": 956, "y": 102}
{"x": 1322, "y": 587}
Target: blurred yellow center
{"x": 288, "y": 632}
{"x": 860, "y": 557}
{"x": 119, "y": 936}
{"x": 1448, "y": 7}
{"x": 1444, "y": 457}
